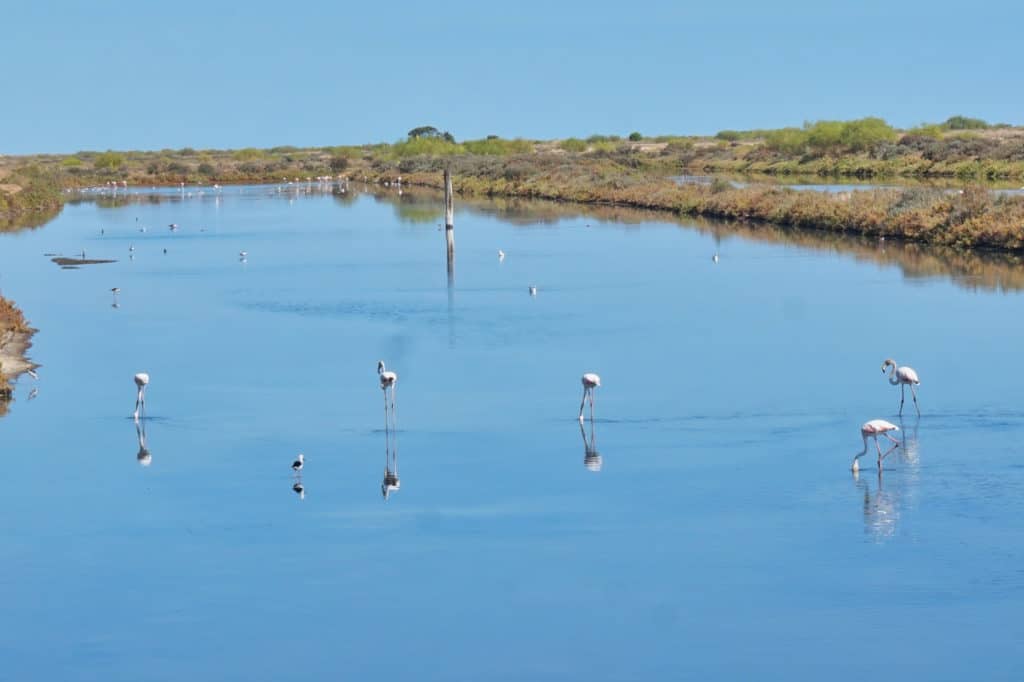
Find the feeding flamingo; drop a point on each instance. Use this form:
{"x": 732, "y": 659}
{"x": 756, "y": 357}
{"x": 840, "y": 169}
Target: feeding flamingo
{"x": 590, "y": 382}
{"x": 903, "y": 376}
{"x": 875, "y": 428}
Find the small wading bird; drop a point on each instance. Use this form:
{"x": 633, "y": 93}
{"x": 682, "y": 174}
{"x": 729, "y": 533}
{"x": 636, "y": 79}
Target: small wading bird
{"x": 533, "y": 291}
{"x": 501, "y": 255}
{"x": 875, "y": 428}
{"x": 903, "y": 376}
{"x": 299, "y": 463}
{"x": 141, "y": 379}
{"x": 115, "y": 291}
{"x": 590, "y": 382}
{"x": 388, "y": 380}
{"x": 242, "y": 255}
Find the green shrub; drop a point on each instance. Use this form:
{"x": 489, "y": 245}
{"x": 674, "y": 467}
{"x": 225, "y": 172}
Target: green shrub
{"x": 495, "y": 146}
{"x": 635, "y": 136}
{"x": 573, "y": 144}
{"x": 247, "y": 153}
{"x": 964, "y": 123}
{"x": 786, "y": 140}
{"x": 108, "y": 160}
{"x": 927, "y": 130}
{"x": 71, "y": 161}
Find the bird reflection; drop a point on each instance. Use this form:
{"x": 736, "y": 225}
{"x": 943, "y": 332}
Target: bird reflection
{"x": 143, "y": 456}
{"x": 391, "y": 482}
{"x": 299, "y": 489}
{"x": 591, "y": 457}
{"x": 880, "y": 509}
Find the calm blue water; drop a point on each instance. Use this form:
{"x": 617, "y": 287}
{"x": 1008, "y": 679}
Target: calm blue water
{"x": 724, "y": 536}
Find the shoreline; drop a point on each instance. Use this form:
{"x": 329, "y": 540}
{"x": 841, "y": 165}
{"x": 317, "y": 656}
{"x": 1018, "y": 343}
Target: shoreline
{"x": 970, "y": 219}
{"x": 15, "y": 341}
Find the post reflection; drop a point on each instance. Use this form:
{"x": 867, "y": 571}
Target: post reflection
{"x": 391, "y": 482}
{"x": 591, "y": 457}
{"x": 143, "y": 456}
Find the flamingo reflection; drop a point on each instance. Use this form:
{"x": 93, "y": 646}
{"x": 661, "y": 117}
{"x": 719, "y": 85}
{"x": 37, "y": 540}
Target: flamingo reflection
{"x": 391, "y": 481}
{"x": 143, "y": 456}
{"x": 880, "y": 509}
{"x": 591, "y": 457}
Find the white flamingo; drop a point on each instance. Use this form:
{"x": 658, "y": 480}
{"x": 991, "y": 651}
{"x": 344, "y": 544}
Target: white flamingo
{"x": 590, "y": 382}
{"x": 388, "y": 380}
{"x": 903, "y": 377}
{"x": 875, "y": 428}
{"x": 141, "y": 379}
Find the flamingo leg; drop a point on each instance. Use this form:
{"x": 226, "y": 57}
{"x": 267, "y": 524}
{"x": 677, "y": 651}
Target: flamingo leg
{"x": 138, "y": 402}
{"x": 902, "y": 396}
{"x": 394, "y": 413}
{"x": 892, "y": 439}
{"x": 387, "y": 421}
{"x": 913, "y": 392}
{"x": 583, "y": 402}
{"x": 591, "y": 406}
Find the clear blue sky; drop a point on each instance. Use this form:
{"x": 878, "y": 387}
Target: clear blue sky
{"x": 99, "y": 75}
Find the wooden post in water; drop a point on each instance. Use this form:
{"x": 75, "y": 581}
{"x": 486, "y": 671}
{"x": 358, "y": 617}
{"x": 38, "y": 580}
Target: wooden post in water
{"x": 449, "y": 220}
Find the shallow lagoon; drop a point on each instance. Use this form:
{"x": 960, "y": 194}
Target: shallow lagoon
{"x": 723, "y": 536}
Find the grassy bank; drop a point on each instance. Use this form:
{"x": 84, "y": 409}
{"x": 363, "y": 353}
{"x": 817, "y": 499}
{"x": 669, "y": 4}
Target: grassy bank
{"x": 630, "y": 172}
{"x": 15, "y": 340}
{"x": 29, "y": 196}
{"x": 973, "y": 217}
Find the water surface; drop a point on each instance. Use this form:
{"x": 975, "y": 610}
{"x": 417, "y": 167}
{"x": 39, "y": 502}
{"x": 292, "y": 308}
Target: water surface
{"x": 706, "y": 526}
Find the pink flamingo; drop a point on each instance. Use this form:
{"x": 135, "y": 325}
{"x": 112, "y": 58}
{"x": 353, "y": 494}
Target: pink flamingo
{"x": 903, "y": 376}
{"x": 590, "y": 382}
{"x": 875, "y": 428}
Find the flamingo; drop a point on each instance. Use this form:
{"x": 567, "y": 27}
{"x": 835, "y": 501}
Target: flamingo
{"x": 388, "y": 380}
{"x": 299, "y": 463}
{"x": 590, "y": 382}
{"x": 875, "y": 428}
{"x": 903, "y": 376}
{"x": 141, "y": 379}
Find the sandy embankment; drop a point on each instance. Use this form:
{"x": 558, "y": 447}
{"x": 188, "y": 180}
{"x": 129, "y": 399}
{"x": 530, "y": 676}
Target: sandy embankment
{"x": 15, "y": 340}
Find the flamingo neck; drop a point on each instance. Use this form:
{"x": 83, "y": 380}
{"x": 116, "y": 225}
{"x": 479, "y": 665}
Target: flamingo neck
{"x": 893, "y": 379}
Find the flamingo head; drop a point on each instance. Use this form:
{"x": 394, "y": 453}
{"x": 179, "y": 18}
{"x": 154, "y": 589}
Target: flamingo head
{"x": 380, "y": 367}
{"x": 885, "y": 365}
